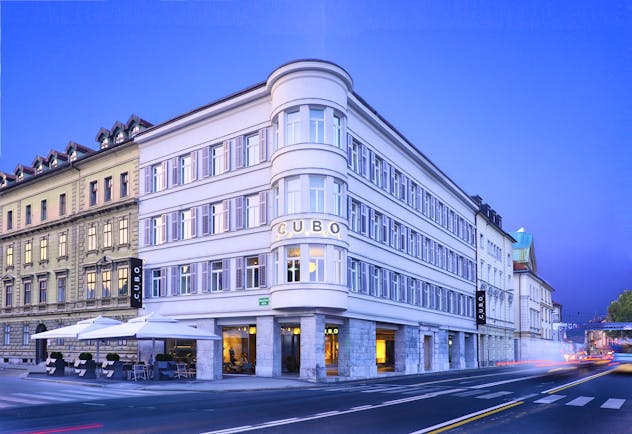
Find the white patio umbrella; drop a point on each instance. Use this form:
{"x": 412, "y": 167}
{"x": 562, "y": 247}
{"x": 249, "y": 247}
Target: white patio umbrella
{"x": 153, "y": 326}
{"x": 73, "y": 331}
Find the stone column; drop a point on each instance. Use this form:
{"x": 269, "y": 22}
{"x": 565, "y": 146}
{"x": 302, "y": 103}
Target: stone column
{"x": 358, "y": 360}
{"x": 407, "y": 349}
{"x": 268, "y": 347}
{"x": 313, "y": 347}
{"x": 209, "y": 353}
{"x": 470, "y": 350}
{"x": 458, "y": 350}
{"x": 441, "y": 350}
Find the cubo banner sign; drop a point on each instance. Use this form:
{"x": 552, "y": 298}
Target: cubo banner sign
{"x": 136, "y": 283}
{"x": 481, "y": 314}
{"x": 308, "y": 227}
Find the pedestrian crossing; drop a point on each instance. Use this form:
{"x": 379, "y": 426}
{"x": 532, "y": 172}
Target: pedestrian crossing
{"x": 484, "y": 394}
{"x": 65, "y": 395}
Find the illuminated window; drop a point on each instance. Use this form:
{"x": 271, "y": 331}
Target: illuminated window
{"x": 91, "y": 284}
{"x": 293, "y": 257}
{"x": 28, "y": 252}
{"x": 122, "y": 273}
{"x": 106, "y": 284}
{"x": 107, "y": 234}
{"x": 92, "y": 237}
{"x": 316, "y": 263}
{"x": 44, "y": 249}
{"x": 123, "y": 230}
{"x": 9, "y": 256}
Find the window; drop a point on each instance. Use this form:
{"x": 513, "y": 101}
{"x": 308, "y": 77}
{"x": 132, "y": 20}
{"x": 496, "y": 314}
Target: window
{"x": 185, "y": 279}
{"x": 158, "y": 229}
{"x": 62, "y": 204}
{"x": 184, "y": 221}
{"x": 337, "y": 132}
{"x": 26, "y": 335}
{"x": 217, "y": 218}
{"x": 293, "y": 195}
{"x": 316, "y": 193}
{"x": 123, "y": 230}
{"x": 106, "y": 284}
{"x": 8, "y": 295}
{"x": 9, "y": 220}
{"x": 293, "y": 256}
{"x": 28, "y": 289}
{"x": 91, "y": 284}
{"x": 377, "y": 171}
{"x": 122, "y": 281}
{"x": 376, "y": 224}
{"x": 252, "y": 149}
{"x": 43, "y": 213}
{"x": 61, "y": 289}
{"x": 9, "y": 256}
{"x": 316, "y": 125}
{"x": 44, "y": 249}
{"x": 124, "y": 180}
{"x": 107, "y": 234}
{"x": 217, "y": 160}
{"x": 354, "y": 275}
{"x": 62, "y": 245}
{"x": 337, "y": 207}
{"x": 157, "y": 177}
{"x": 252, "y": 272}
{"x": 354, "y": 216}
{"x": 292, "y": 128}
{"x": 252, "y": 211}
{"x": 375, "y": 287}
{"x": 216, "y": 276}
{"x": 28, "y": 252}
{"x": 107, "y": 189}
{"x": 43, "y": 287}
{"x": 338, "y": 268}
{"x": 316, "y": 263}
{"x": 185, "y": 175}
{"x": 28, "y": 214}
{"x": 157, "y": 288}
{"x": 93, "y": 193}
{"x": 92, "y": 237}
{"x": 7, "y": 334}
{"x": 354, "y": 154}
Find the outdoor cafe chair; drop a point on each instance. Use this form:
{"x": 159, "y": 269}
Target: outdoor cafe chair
{"x": 139, "y": 372}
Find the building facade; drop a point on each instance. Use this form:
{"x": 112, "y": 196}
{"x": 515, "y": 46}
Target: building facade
{"x": 495, "y": 278}
{"x": 534, "y": 311}
{"x": 68, "y": 228}
{"x": 295, "y": 222}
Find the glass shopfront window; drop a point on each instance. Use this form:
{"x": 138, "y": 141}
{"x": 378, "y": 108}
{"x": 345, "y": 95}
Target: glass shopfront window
{"x": 331, "y": 349}
{"x": 291, "y": 349}
{"x": 385, "y": 350}
{"x": 239, "y": 345}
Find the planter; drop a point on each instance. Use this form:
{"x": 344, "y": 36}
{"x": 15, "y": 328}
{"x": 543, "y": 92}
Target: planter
{"x": 164, "y": 370}
{"x": 55, "y": 367}
{"x": 113, "y": 370}
{"x": 86, "y": 368}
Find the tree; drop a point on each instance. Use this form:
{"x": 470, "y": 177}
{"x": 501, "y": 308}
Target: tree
{"x": 620, "y": 310}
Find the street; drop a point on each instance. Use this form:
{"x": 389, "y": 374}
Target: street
{"x": 496, "y": 400}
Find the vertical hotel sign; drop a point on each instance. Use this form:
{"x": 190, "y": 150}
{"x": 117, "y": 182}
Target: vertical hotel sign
{"x": 481, "y": 313}
{"x": 136, "y": 283}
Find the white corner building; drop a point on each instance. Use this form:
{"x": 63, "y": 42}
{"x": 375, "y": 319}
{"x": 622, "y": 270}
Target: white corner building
{"x": 299, "y": 225}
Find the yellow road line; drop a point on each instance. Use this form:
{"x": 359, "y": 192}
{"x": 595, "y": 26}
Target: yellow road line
{"x": 475, "y": 416}
{"x": 575, "y": 383}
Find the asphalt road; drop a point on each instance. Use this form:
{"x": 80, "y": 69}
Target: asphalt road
{"x": 485, "y": 401}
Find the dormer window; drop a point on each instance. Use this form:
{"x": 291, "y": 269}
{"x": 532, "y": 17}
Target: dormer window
{"x": 104, "y": 143}
{"x": 39, "y": 168}
{"x": 120, "y": 137}
{"x": 72, "y": 156}
{"x": 136, "y": 130}
{"x": 53, "y": 162}
{"x": 20, "y": 176}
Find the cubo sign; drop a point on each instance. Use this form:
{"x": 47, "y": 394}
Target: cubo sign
{"x": 136, "y": 283}
{"x": 308, "y": 227}
{"x": 481, "y": 313}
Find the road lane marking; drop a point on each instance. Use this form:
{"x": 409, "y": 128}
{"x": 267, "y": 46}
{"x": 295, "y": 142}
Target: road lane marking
{"x": 581, "y": 401}
{"x": 469, "y": 378}
{"x": 512, "y": 380}
{"x": 21, "y": 400}
{"x": 470, "y": 393}
{"x": 453, "y": 423}
{"x": 324, "y": 415}
{"x": 549, "y": 399}
{"x": 47, "y": 396}
{"x": 328, "y": 413}
{"x": 613, "y": 403}
{"x": 494, "y": 395}
{"x": 576, "y": 382}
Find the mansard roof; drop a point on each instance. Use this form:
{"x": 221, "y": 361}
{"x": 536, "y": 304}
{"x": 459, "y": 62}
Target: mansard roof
{"x": 80, "y": 149}
{"x": 135, "y": 120}
{"x": 60, "y": 156}
{"x": 102, "y": 133}
{"x": 20, "y": 168}
{"x": 118, "y": 125}
{"x": 39, "y": 160}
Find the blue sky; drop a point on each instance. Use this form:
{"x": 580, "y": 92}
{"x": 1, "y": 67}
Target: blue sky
{"x": 525, "y": 103}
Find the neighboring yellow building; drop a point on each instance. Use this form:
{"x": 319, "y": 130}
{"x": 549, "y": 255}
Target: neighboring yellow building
{"x": 68, "y": 228}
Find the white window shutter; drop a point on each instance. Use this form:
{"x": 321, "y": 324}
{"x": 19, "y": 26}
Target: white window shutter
{"x": 174, "y": 280}
{"x": 205, "y": 267}
{"x": 239, "y": 273}
{"x": 262, "y": 270}
{"x": 175, "y": 170}
{"x": 263, "y": 144}
{"x": 226, "y": 274}
{"x": 164, "y": 175}
{"x": 206, "y": 211}
{"x": 239, "y": 152}
{"x": 194, "y": 282}
{"x": 174, "y": 226}
{"x": 226, "y": 155}
{"x": 147, "y": 223}
{"x": 163, "y": 219}
{"x": 239, "y": 212}
{"x": 263, "y": 207}
{"x": 194, "y": 211}
{"x": 147, "y": 179}
{"x": 226, "y": 211}
{"x": 205, "y": 161}
{"x": 163, "y": 281}
{"x": 194, "y": 168}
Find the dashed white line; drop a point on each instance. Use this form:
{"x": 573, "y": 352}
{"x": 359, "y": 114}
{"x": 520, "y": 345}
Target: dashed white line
{"x": 549, "y": 399}
{"x": 613, "y": 403}
{"x": 580, "y": 401}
